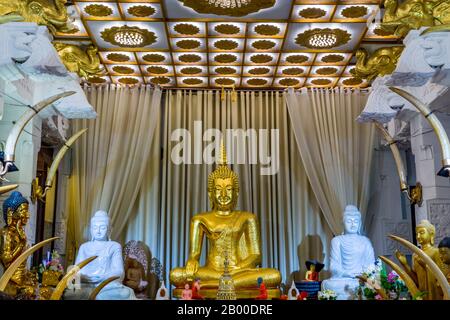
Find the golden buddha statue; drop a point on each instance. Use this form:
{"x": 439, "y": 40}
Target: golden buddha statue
{"x": 13, "y": 242}
{"x": 423, "y": 278}
{"x": 231, "y": 234}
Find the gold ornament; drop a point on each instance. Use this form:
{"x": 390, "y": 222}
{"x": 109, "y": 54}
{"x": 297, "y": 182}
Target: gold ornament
{"x": 160, "y": 80}
{"x": 293, "y": 71}
{"x": 226, "y": 70}
{"x": 190, "y": 58}
{"x": 289, "y": 82}
{"x": 227, "y": 29}
{"x": 380, "y": 63}
{"x": 50, "y": 278}
{"x": 128, "y": 37}
{"x": 352, "y": 81}
{"x": 123, "y": 70}
{"x": 225, "y": 58}
{"x": 141, "y": 11}
{"x": 332, "y": 58}
{"x": 118, "y": 57}
{"x": 128, "y": 80}
{"x": 96, "y": 80}
{"x": 323, "y": 38}
{"x": 98, "y": 10}
{"x": 326, "y": 71}
{"x": 154, "y": 57}
{"x": 354, "y": 12}
{"x": 259, "y": 71}
{"x": 188, "y": 44}
{"x": 186, "y": 29}
{"x": 267, "y": 30}
{"x": 296, "y": 59}
{"x": 226, "y": 289}
{"x": 261, "y": 58}
{"x": 235, "y": 8}
{"x": 226, "y": 44}
{"x": 263, "y": 44}
{"x": 382, "y": 33}
{"x": 257, "y": 82}
{"x": 233, "y": 245}
{"x": 225, "y": 81}
{"x": 312, "y": 13}
{"x": 157, "y": 70}
{"x": 321, "y": 82}
{"x": 192, "y": 81}
{"x": 191, "y": 70}
{"x": 83, "y": 61}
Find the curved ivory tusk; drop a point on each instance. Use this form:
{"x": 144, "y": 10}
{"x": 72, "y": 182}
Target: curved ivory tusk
{"x": 435, "y": 124}
{"x": 59, "y": 290}
{"x": 5, "y": 189}
{"x": 99, "y": 288}
{"x": 396, "y": 153}
{"x": 13, "y": 267}
{"x": 437, "y": 273}
{"x": 409, "y": 282}
{"x": 22, "y": 122}
{"x": 58, "y": 158}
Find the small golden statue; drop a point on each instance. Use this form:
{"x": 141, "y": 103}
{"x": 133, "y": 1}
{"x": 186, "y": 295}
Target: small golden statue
{"x": 84, "y": 62}
{"x": 400, "y": 18}
{"x": 13, "y": 243}
{"x": 380, "y": 63}
{"x": 231, "y": 234}
{"x": 423, "y": 278}
{"x": 42, "y": 12}
{"x": 444, "y": 254}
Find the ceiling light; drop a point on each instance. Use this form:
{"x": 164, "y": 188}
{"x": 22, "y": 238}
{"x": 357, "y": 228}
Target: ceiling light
{"x": 130, "y": 37}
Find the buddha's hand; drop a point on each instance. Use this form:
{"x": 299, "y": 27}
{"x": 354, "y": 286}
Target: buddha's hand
{"x": 401, "y": 258}
{"x": 191, "y": 268}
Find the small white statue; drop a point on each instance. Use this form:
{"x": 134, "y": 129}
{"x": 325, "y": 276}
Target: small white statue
{"x": 108, "y": 264}
{"x": 351, "y": 254}
{"x": 293, "y": 292}
{"x": 162, "y": 293}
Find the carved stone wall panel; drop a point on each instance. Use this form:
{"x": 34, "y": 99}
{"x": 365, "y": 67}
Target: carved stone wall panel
{"x": 399, "y": 228}
{"x": 439, "y": 216}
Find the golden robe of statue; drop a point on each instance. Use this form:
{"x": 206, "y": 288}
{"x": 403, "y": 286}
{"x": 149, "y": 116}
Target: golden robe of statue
{"x": 230, "y": 233}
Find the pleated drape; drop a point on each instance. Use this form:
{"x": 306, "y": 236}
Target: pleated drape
{"x": 110, "y": 160}
{"x": 291, "y": 223}
{"x": 335, "y": 149}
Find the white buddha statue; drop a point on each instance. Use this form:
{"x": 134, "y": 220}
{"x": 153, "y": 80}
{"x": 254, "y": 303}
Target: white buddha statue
{"x": 108, "y": 264}
{"x": 351, "y": 254}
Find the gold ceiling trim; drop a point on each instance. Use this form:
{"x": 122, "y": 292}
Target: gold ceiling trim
{"x": 339, "y": 36}
{"x": 297, "y": 58}
{"x": 160, "y": 80}
{"x": 98, "y": 10}
{"x": 117, "y": 57}
{"x": 267, "y": 30}
{"x": 289, "y": 82}
{"x": 355, "y": 12}
{"x": 142, "y": 37}
{"x": 225, "y": 70}
{"x": 186, "y": 29}
{"x": 188, "y": 44}
{"x": 157, "y": 70}
{"x": 141, "y": 11}
{"x": 225, "y": 58}
{"x": 259, "y": 71}
{"x": 225, "y": 81}
{"x": 332, "y": 58}
{"x": 123, "y": 70}
{"x": 264, "y": 44}
{"x": 226, "y": 44}
{"x": 312, "y": 13}
{"x": 352, "y": 81}
{"x": 228, "y": 29}
{"x": 261, "y": 58}
{"x": 293, "y": 71}
{"x": 257, "y": 82}
{"x": 96, "y": 80}
{"x": 192, "y": 81}
{"x": 235, "y": 8}
{"x": 190, "y": 58}
{"x": 321, "y": 82}
{"x": 128, "y": 80}
{"x": 153, "y": 57}
{"x": 327, "y": 71}
{"x": 191, "y": 70}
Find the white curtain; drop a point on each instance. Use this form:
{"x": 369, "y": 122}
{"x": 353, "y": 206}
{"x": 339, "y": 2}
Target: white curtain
{"x": 292, "y": 228}
{"x": 110, "y": 160}
{"x": 335, "y": 149}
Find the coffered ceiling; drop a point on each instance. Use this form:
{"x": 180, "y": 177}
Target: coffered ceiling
{"x": 257, "y": 44}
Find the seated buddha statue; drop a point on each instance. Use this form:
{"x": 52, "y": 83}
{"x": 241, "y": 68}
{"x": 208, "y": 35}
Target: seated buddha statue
{"x": 230, "y": 233}
{"x": 13, "y": 242}
{"x": 108, "y": 264}
{"x": 351, "y": 255}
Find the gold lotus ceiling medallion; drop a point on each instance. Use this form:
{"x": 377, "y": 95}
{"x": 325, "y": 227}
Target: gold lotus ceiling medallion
{"x": 226, "y": 44}
{"x": 332, "y": 58}
{"x": 312, "y": 13}
{"x": 191, "y": 70}
{"x": 257, "y": 82}
{"x": 157, "y": 70}
{"x": 128, "y": 80}
{"x": 118, "y": 57}
{"x": 289, "y": 82}
{"x": 326, "y": 71}
{"x": 154, "y": 57}
{"x": 128, "y": 37}
{"x": 293, "y": 71}
{"x": 123, "y": 70}
{"x": 225, "y": 58}
{"x": 225, "y": 81}
{"x": 190, "y": 58}
{"x": 261, "y": 58}
{"x": 96, "y": 80}
{"x": 160, "y": 80}
{"x": 263, "y": 44}
{"x": 354, "y": 12}
{"x": 383, "y": 33}
{"x": 226, "y": 70}
{"x": 352, "y": 81}
{"x": 98, "y": 10}
{"x": 298, "y": 58}
{"x": 186, "y": 29}
{"x": 267, "y": 30}
{"x": 193, "y": 81}
{"x": 259, "y": 71}
{"x": 233, "y": 8}
{"x": 141, "y": 11}
{"x": 321, "y": 82}
{"x": 229, "y": 29}
{"x": 323, "y": 38}
{"x": 188, "y": 44}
